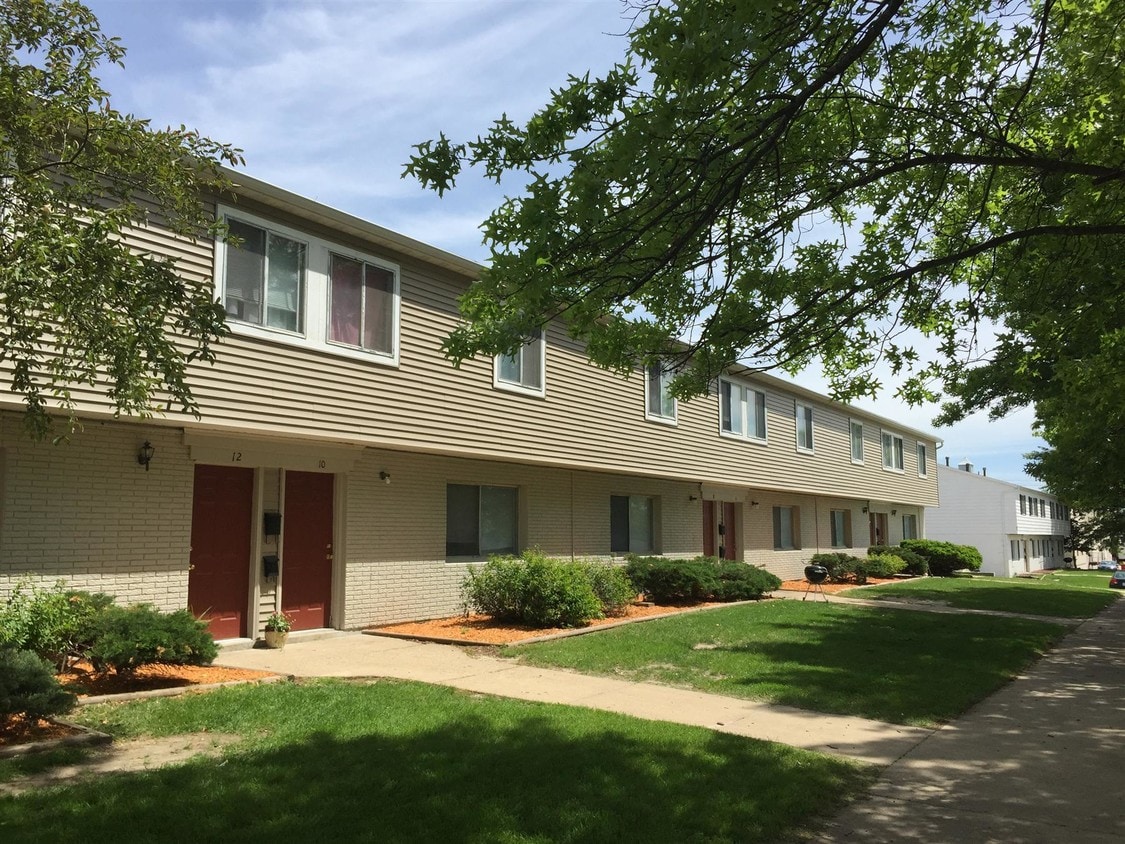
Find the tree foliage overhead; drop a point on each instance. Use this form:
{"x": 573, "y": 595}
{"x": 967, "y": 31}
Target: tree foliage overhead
{"x": 78, "y": 306}
{"x": 789, "y": 183}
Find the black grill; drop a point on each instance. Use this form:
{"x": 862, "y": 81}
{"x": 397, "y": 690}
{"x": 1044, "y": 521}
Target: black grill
{"x": 815, "y": 575}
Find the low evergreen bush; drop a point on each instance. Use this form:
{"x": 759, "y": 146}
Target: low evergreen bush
{"x": 28, "y": 687}
{"x": 665, "y": 580}
{"x": 915, "y": 563}
{"x": 944, "y": 558}
{"x": 842, "y": 568}
{"x": 670, "y": 581}
{"x": 125, "y": 638}
{"x": 883, "y": 565}
{"x": 744, "y": 582}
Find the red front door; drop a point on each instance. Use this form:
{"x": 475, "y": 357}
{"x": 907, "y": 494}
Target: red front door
{"x": 720, "y": 538}
{"x": 306, "y": 574}
{"x": 221, "y": 524}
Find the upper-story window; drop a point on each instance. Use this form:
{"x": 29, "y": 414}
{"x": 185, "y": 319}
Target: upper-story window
{"x": 286, "y": 286}
{"x": 264, "y": 282}
{"x": 742, "y": 410}
{"x": 361, "y": 304}
{"x": 892, "y": 451}
{"x": 803, "y": 415}
{"x": 659, "y": 403}
{"x": 923, "y": 465}
{"x": 856, "y": 430}
{"x": 1023, "y": 505}
{"x": 523, "y": 371}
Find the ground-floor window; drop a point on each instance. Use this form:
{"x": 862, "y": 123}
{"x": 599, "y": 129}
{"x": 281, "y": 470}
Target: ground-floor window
{"x": 481, "y": 520}
{"x": 632, "y": 520}
{"x": 841, "y": 529}
{"x": 1016, "y": 552}
{"x": 785, "y": 528}
{"x": 910, "y": 526}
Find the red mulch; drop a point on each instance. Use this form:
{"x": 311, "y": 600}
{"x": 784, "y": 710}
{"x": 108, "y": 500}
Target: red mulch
{"x": 484, "y": 630}
{"x": 85, "y": 682}
{"x": 19, "y": 730}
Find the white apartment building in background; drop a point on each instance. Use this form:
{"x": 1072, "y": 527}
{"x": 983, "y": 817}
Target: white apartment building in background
{"x": 1016, "y": 528}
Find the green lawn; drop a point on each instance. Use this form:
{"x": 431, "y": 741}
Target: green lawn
{"x": 403, "y": 762}
{"x": 892, "y": 665}
{"x": 1072, "y": 594}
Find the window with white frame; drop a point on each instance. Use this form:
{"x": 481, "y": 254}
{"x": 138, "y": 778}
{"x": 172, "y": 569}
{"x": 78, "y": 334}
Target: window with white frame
{"x": 802, "y": 413}
{"x": 910, "y": 526}
{"x": 786, "y": 528}
{"x": 841, "y": 528}
{"x": 659, "y": 403}
{"x": 1042, "y": 507}
{"x": 361, "y": 304}
{"x": 742, "y": 410}
{"x": 923, "y": 464}
{"x": 523, "y": 371}
{"x": 1023, "y": 505}
{"x": 289, "y": 287}
{"x": 892, "y": 451}
{"x": 264, "y": 278}
{"x": 1015, "y": 549}
{"x": 481, "y": 520}
{"x": 856, "y": 429}
{"x": 632, "y": 524}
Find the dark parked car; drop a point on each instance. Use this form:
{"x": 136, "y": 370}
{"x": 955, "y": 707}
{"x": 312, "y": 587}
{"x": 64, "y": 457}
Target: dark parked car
{"x": 1107, "y": 565}
{"x": 1118, "y": 580}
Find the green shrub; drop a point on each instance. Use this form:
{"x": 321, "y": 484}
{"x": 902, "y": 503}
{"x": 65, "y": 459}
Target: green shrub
{"x": 125, "y": 638}
{"x": 533, "y": 589}
{"x": 672, "y": 581}
{"x": 54, "y": 623}
{"x": 883, "y": 565}
{"x": 669, "y": 581}
{"x": 915, "y": 563}
{"x": 612, "y": 587}
{"x": 743, "y": 582}
{"x": 28, "y": 686}
{"x": 944, "y": 558}
{"x": 842, "y": 568}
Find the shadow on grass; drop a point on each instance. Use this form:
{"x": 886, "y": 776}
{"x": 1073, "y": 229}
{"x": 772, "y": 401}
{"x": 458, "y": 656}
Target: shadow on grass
{"x": 518, "y": 772}
{"x": 898, "y": 666}
{"x": 1031, "y": 598}
{"x": 886, "y": 664}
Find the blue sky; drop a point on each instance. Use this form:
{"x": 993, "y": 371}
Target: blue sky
{"x": 326, "y": 98}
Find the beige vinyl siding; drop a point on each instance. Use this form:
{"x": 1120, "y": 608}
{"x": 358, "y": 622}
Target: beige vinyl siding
{"x": 589, "y": 419}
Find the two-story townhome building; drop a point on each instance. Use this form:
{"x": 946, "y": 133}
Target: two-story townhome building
{"x": 1017, "y": 529}
{"x": 344, "y": 471}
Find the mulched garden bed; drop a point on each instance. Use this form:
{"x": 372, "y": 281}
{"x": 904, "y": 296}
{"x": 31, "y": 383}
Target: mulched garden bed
{"x": 85, "y": 682}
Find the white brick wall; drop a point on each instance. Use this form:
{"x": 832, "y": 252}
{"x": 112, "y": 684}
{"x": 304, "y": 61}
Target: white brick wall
{"x": 87, "y": 513}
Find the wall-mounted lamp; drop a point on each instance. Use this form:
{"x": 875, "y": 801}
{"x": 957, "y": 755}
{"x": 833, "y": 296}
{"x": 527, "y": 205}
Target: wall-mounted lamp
{"x": 894, "y": 512}
{"x": 754, "y": 505}
{"x": 693, "y": 498}
{"x": 144, "y": 455}
{"x": 864, "y": 509}
{"x": 385, "y": 476}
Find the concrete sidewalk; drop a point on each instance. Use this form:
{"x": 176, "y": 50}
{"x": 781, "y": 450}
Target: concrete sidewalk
{"x": 1039, "y": 762}
{"x": 358, "y": 655}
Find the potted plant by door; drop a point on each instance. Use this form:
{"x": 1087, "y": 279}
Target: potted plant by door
{"x": 278, "y": 626}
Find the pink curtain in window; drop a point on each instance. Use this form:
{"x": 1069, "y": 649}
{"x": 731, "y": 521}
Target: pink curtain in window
{"x": 347, "y": 300}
